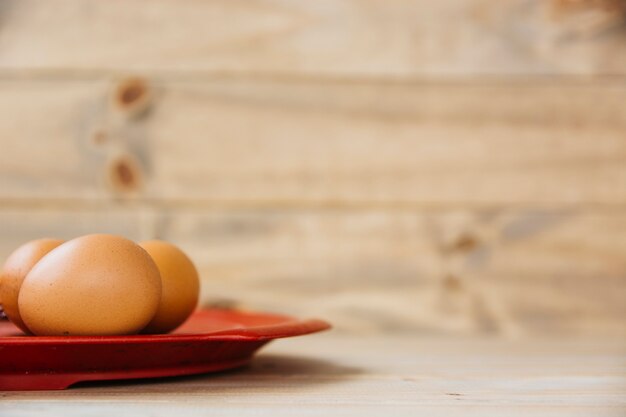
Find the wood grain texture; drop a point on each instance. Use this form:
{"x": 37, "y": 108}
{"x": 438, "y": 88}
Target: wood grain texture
{"x": 500, "y": 272}
{"x": 339, "y": 376}
{"x": 265, "y": 142}
{"x": 400, "y": 38}
{"x": 401, "y": 166}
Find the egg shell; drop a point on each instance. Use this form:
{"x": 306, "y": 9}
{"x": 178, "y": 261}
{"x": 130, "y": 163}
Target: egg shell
{"x": 180, "y": 286}
{"x": 91, "y": 285}
{"x": 15, "y": 268}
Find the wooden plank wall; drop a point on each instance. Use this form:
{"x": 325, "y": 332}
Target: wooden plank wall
{"x": 434, "y": 167}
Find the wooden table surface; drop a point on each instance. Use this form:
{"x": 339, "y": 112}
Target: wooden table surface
{"x": 341, "y": 375}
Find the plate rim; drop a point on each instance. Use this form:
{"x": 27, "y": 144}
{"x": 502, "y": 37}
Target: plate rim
{"x": 290, "y": 326}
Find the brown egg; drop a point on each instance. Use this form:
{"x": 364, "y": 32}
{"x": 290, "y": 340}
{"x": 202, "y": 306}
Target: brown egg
{"x": 17, "y": 265}
{"x": 181, "y": 286}
{"x": 91, "y": 285}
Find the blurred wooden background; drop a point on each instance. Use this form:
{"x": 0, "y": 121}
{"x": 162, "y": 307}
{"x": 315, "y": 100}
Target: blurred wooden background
{"x": 433, "y": 167}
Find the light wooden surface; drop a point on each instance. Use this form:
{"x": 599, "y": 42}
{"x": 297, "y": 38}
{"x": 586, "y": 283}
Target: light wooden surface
{"x": 507, "y": 272}
{"x": 354, "y": 376}
{"x": 345, "y": 38}
{"x": 403, "y": 166}
{"x": 293, "y": 143}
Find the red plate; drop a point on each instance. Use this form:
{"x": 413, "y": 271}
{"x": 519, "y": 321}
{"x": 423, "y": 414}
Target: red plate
{"x": 211, "y": 340}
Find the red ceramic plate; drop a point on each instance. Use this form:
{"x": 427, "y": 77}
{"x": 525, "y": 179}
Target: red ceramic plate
{"x": 211, "y": 340}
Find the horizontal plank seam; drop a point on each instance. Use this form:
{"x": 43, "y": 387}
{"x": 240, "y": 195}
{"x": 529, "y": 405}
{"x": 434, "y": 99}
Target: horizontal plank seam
{"x": 172, "y": 203}
{"x": 68, "y": 74}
